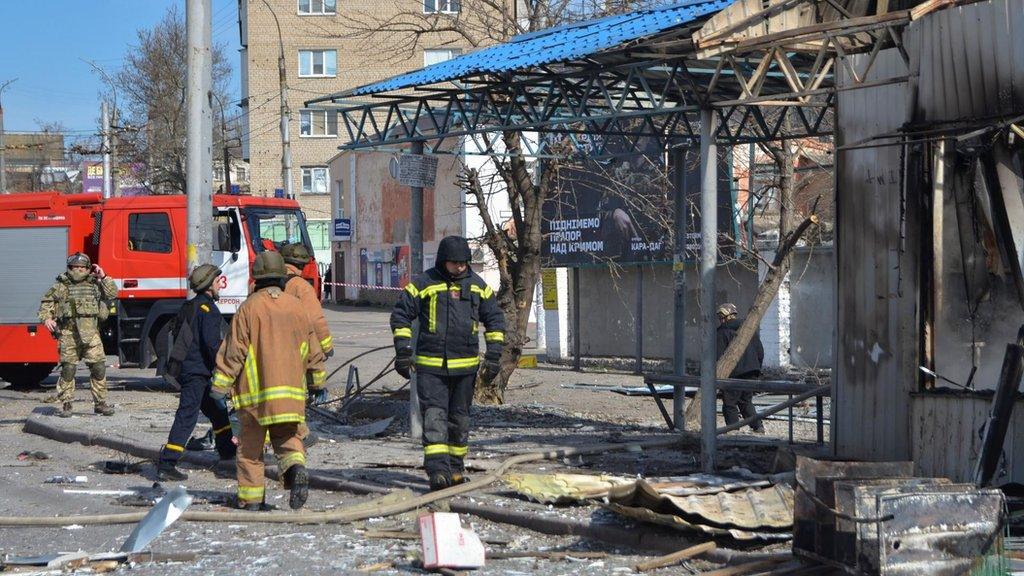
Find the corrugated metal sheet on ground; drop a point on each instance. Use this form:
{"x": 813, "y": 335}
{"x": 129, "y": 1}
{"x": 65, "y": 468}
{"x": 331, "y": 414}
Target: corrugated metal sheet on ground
{"x": 970, "y": 59}
{"x": 558, "y": 44}
{"x": 746, "y": 514}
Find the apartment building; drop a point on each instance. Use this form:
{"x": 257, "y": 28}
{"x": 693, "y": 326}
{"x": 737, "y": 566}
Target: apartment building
{"x": 323, "y": 54}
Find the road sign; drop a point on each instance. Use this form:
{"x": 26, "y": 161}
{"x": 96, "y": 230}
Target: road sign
{"x": 417, "y": 170}
{"x": 342, "y": 229}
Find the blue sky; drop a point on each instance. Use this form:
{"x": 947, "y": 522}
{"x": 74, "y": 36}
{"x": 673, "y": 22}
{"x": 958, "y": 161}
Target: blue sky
{"x": 43, "y": 44}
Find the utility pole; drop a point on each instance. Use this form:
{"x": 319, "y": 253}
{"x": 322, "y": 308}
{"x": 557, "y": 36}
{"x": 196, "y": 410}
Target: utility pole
{"x": 416, "y": 254}
{"x": 224, "y": 146}
{"x": 107, "y": 180}
{"x": 3, "y": 149}
{"x": 286, "y": 147}
{"x": 199, "y": 139}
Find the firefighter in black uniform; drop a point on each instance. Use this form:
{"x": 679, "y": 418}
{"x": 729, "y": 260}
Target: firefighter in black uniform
{"x": 204, "y": 319}
{"x": 450, "y": 301}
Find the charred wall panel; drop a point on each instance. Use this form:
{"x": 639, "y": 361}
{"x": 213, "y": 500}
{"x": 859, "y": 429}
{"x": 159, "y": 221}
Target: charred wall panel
{"x": 877, "y": 273}
{"x": 971, "y": 61}
{"x": 947, "y": 436}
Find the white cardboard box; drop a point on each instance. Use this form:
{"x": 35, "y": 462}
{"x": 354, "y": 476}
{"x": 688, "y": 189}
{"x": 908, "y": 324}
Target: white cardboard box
{"x": 446, "y": 544}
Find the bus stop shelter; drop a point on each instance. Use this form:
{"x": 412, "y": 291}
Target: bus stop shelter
{"x": 699, "y": 74}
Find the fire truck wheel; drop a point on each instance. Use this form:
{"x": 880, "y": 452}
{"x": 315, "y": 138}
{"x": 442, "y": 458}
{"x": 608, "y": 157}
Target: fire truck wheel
{"x": 25, "y": 376}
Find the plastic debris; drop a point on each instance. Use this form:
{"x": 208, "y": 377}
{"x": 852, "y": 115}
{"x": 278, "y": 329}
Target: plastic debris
{"x": 446, "y": 544}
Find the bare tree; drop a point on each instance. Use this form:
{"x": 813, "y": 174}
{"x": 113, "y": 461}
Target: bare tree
{"x": 516, "y": 245}
{"x": 151, "y": 89}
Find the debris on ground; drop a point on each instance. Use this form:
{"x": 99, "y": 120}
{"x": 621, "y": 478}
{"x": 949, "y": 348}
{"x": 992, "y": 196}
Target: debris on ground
{"x": 121, "y": 467}
{"x": 67, "y": 480}
{"x": 740, "y": 510}
{"x": 877, "y": 518}
{"x": 35, "y": 455}
{"x": 562, "y": 488}
{"x": 446, "y": 544}
{"x": 165, "y": 513}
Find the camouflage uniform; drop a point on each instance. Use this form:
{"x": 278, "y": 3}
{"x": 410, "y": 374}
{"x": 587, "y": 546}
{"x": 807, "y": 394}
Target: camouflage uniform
{"x": 76, "y": 306}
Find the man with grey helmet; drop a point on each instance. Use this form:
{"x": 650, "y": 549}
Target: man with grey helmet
{"x": 72, "y": 309}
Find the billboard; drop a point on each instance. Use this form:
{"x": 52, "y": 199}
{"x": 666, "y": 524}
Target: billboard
{"x": 128, "y": 178}
{"x": 622, "y": 208}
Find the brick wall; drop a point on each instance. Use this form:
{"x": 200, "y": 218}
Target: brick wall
{"x": 360, "y": 61}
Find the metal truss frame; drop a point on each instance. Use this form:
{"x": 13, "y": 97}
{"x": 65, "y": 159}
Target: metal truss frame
{"x": 761, "y": 88}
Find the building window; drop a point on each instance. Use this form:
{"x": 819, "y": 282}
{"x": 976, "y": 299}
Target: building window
{"x": 241, "y": 174}
{"x": 318, "y": 63}
{"x": 149, "y": 232}
{"x": 441, "y": 6}
{"x": 314, "y": 180}
{"x": 319, "y": 234}
{"x": 436, "y": 55}
{"x": 218, "y": 173}
{"x": 316, "y": 7}
{"x": 318, "y": 123}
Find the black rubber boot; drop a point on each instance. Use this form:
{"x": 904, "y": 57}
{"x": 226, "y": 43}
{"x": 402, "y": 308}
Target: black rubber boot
{"x": 297, "y": 478}
{"x": 66, "y": 410}
{"x": 439, "y": 481}
{"x": 168, "y": 473}
{"x": 103, "y": 409}
{"x": 459, "y": 478}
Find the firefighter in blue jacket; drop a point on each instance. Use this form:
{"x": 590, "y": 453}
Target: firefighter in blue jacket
{"x": 202, "y": 316}
{"x": 450, "y": 301}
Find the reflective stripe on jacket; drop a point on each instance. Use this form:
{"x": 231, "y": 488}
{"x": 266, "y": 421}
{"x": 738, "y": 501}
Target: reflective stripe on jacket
{"x": 450, "y": 314}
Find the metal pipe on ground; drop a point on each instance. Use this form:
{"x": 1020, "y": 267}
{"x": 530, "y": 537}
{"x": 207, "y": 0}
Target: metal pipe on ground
{"x": 339, "y": 516}
{"x": 639, "y": 539}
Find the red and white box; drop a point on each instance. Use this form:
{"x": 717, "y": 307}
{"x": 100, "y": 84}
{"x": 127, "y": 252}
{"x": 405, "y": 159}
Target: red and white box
{"x": 446, "y": 544}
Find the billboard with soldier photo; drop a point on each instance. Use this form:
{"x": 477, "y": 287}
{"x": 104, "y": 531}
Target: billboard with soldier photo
{"x": 621, "y": 207}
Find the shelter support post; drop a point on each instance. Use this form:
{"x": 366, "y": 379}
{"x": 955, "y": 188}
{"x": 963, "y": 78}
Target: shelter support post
{"x": 639, "y": 320}
{"x": 708, "y": 260}
{"x": 576, "y": 336}
{"x": 679, "y": 294}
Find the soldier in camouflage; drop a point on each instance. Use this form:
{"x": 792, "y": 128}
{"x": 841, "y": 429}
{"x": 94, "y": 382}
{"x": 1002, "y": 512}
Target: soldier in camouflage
{"x": 72, "y": 310}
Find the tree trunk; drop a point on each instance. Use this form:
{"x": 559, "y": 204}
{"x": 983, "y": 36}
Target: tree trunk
{"x": 518, "y": 258}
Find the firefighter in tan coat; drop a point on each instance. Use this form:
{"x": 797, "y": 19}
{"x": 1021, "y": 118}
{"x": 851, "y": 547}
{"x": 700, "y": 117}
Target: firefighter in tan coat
{"x": 262, "y": 365}
{"x": 296, "y": 257}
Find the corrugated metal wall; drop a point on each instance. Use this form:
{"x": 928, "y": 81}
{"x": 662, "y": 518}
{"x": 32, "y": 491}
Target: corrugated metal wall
{"x": 877, "y": 273}
{"x": 971, "y": 61}
{"x": 947, "y": 436}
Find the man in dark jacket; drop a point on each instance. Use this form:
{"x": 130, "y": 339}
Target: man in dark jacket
{"x": 450, "y": 301}
{"x": 736, "y": 402}
{"x": 202, "y": 317}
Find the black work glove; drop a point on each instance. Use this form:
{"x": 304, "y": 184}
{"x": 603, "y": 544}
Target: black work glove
{"x": 403, "y": 361}
{"x": 490, "y": 368}
{"x": 314, "y": 397}
{"x": 329, "y": 354}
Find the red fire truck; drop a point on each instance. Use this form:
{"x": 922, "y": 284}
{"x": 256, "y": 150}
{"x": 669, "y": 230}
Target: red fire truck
{"x": 140, "y": 242}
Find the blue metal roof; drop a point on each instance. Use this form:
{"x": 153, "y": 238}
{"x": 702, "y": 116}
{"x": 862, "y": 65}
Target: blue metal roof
{"x": 558, "y": 44}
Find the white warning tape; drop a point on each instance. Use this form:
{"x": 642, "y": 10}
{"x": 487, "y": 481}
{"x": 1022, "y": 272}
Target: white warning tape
{"x": 363, "y": 286}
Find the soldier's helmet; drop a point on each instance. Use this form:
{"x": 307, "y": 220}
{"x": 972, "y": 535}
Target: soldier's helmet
{"x": 268, "y": 264}
{"x": 79, "y": 259}
{"x": 727, "y": 310}
{"x": 296, "y": 254}
{"x": 202, "y": 277}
